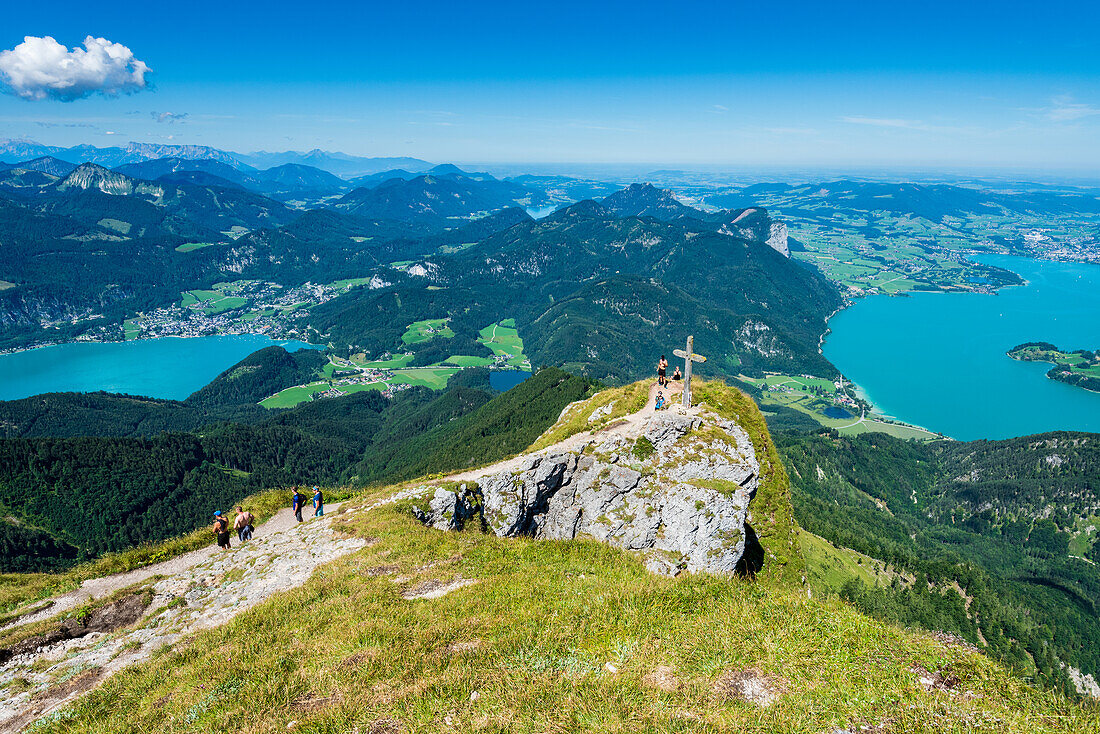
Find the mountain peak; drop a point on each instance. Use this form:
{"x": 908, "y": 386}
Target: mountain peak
{"x": 646, "y": 200}
{"x": 587, "y": 209}
{"x": 88, "y": 176}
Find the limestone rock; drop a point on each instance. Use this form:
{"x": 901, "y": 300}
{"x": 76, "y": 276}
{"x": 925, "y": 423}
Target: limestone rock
{"x": 679, "y": 499}
{"x": 777, "y": 239}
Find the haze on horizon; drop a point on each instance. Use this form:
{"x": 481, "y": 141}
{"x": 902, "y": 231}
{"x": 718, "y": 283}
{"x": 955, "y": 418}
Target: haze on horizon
{"x": 981, "y": 85}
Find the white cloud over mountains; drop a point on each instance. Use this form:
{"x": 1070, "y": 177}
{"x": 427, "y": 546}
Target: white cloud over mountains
{"x": 42, "y": 68}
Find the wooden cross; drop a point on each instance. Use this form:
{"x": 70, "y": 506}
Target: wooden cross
{"x": 689, "y": 357}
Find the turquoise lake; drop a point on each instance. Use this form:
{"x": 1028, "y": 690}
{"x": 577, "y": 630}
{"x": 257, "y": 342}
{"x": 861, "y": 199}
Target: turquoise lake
{"x": 938, "y": 359}
{"x": 170, "y": 368}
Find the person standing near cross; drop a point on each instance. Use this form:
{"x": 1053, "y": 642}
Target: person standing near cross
{"x": 689, "y": 356}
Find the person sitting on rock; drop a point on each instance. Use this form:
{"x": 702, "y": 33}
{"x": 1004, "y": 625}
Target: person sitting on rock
{"x": 676, "y": 376}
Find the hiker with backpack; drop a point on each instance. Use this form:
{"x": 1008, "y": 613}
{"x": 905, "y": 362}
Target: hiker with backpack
{"x": 318, "y": 502}
{"x": 296, "y": 503}
{"x": 221, "y": 530}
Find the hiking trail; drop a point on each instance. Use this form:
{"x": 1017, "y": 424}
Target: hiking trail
{"x": 206, "y": 588}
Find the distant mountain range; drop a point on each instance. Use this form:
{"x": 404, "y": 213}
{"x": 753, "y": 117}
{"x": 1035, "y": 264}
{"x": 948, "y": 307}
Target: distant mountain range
{"x": 641, "y": 262}
{"x": 340, "y": 164}
{"x": 12, "y": 151}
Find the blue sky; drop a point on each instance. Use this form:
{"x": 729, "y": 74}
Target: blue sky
{"x": 961, "y": 84}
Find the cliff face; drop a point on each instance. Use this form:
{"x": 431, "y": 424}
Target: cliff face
{"x": 673, "y": 486}
{"x": 755, "y": 223}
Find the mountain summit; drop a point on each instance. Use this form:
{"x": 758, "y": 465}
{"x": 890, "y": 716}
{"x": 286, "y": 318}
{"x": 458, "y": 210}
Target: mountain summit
{"x": 646, "y": 200}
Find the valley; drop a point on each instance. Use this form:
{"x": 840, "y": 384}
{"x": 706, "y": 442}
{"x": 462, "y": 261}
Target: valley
{"x": 427, "y": 299}
{"x": 599, "y": 368}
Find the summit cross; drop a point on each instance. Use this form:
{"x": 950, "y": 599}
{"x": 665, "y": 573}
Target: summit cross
{"x": 689, "y": 356}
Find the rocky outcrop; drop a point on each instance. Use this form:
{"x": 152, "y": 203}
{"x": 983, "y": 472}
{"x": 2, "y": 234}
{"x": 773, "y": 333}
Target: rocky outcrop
{"x": 675, "y": 489}
{"x": 777, "y": 239}
{"x": 756, "y": 224}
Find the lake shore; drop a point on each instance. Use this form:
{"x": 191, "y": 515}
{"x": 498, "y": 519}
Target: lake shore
{"x": 940, "y": 362}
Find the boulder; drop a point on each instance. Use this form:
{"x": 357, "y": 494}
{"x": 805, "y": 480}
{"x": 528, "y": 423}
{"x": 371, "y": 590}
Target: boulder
{"x": 681, "y": 503}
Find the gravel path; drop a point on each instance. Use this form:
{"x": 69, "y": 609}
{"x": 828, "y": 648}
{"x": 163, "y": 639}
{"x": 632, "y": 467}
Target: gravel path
{"x": 101, "y": 587}
{"x": 207, "y": 588}
{"x": 200, "y": 590}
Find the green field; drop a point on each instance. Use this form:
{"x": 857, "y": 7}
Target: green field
{"x": 462, "y": 360}
{"x": 812, "y": 395}
{"x": 504, "y": 341}
{"x": 332, "y": 371}
{"x": 501, "y": 338}
{"x": 130, "y": 329}
{"x": 218, "y": 299}
{"x": 348, "y": 283}
{"x": 4, "y": 285}
{"x": 211, "y": 302}
{"x": 396, "y": 361}
{"x": 1085, "y": 534}
{"x": 422, "y": 331}
{"x": 263, "y": 313}
{"x": 293, "y": 395}
{"x": 433, "y": 377}
{"x": 192, "y": 246}
{"x": 449, "y": 249}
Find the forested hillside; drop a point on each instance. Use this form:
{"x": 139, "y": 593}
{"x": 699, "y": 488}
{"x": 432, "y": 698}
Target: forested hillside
{"x": 69, "y": 499}
{"x": 976, "y": 536}
{"x": 605, "y": 296}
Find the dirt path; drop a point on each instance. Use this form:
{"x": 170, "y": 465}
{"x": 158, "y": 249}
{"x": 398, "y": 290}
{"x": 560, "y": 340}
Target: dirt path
{"x": 208, "y": 587}
{"x": 101, "y": 587}
{"x": 200, "y": 590}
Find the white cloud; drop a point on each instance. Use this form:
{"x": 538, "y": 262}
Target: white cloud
{"x": 886, "y": 122}
{"x": 719, "y": 108}
{"x": 169, "y": 116}
{"x": 1064, "y": 109}
{"x": 42, "y": 68}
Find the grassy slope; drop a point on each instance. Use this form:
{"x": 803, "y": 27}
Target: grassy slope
{"x": 533, "y": 638}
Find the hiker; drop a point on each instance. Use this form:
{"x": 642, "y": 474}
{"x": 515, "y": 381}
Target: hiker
{"x": 676, "y": 376}
{"x": 318, "y": 502}
{"x": 662, "y": 368}
{"x": 221, "y": 530}
{"x": 660, "y": 404}
{"x": 243, "y": 524}
{"x": 296, "y": 504}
